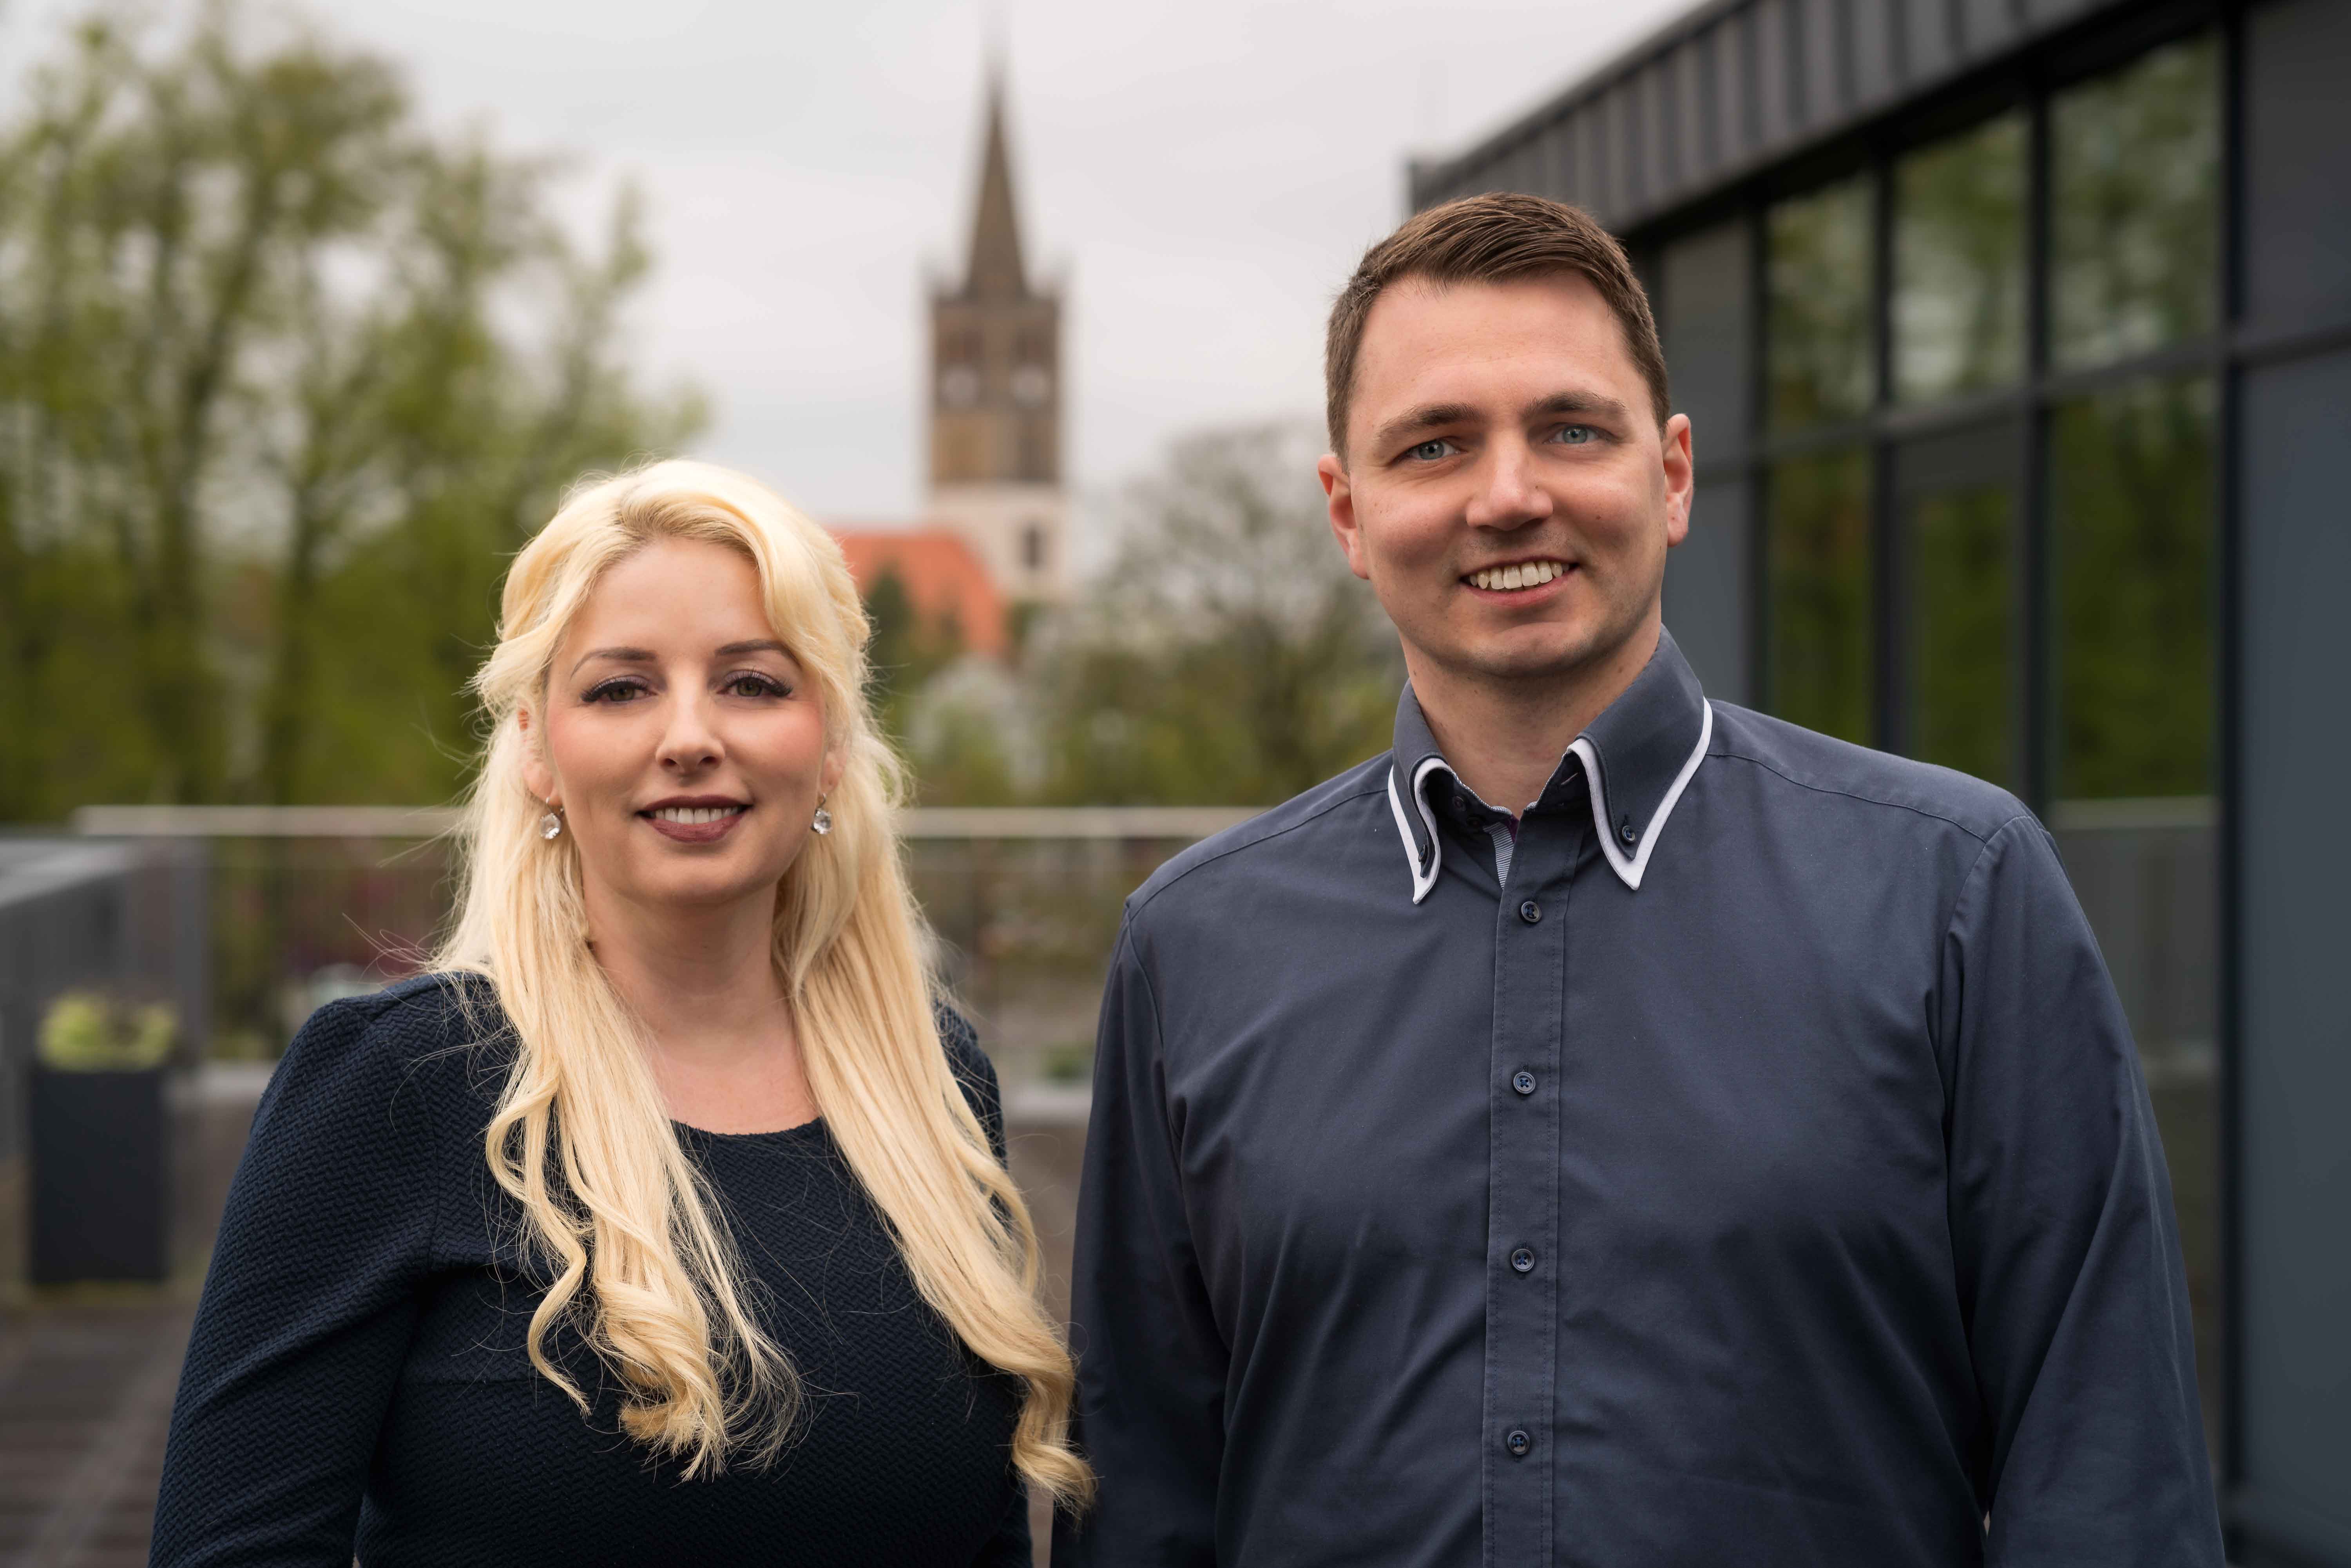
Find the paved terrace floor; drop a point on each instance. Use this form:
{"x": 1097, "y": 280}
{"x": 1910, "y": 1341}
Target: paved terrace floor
{"x": 88, "y": 1373}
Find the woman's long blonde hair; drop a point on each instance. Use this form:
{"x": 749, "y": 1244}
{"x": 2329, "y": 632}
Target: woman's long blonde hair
{"x": 640, "y": 1262}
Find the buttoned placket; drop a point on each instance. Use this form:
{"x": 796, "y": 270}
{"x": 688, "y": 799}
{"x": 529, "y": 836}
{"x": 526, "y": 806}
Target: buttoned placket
{"x": 1522, "y": 1278}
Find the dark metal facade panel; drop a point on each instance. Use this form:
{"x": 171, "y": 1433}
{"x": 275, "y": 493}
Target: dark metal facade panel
{"x": 1733, "y": 85}
{"x": 1877, "y": 75}
{"x": 1736, "y": 126}
{"x": 1692, "y": 134}
{"x": 1824, "y": 33}
{"x": 1987, "y": 25}
{"x": 1661, "y": 127}
{"x": 1930, "y": 36}
{"x": 1775, "y": 71}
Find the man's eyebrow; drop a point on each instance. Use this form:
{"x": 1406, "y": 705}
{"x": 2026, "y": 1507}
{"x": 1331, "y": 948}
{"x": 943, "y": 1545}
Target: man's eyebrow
{"x": 625, "y": 655}
{"x": 1593, "y": 403}
{"x": 1427, "y": 416}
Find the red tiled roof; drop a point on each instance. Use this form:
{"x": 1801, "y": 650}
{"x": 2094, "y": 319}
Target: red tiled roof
{"x": 942, "y": 577}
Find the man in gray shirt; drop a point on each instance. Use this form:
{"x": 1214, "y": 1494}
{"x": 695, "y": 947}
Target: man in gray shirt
{"x": 1612, "y": 1127}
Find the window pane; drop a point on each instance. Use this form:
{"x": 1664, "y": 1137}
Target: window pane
{"x": 1820, "y": 347}
{"x": 2133, "y": 557}
{"x": 1962, "y": 618}
{"x": 1958, "y": 263}
{"x": 2134, "y": 207}
{"x": 1705, "y": 327}
{"x": 1820, "y": 619}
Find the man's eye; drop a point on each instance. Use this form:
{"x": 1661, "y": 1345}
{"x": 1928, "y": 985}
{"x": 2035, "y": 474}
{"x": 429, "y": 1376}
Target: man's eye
{"x": 1429, "y": 450}
{"x": 1574, "y": 434}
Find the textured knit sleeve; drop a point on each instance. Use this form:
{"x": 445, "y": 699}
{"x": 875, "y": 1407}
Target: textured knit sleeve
{"x": 2069, "y": 1262}
{"x": 975, "y": 1073}
{"x": 307, "y": 1312}
{"x": 1151, "y": 1360}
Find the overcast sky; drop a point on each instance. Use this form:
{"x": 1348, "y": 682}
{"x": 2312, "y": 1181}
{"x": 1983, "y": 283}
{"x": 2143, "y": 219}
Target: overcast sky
{"x": 1201, "y": 176}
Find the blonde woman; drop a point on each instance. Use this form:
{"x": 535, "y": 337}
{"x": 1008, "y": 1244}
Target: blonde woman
{"x": 667, "y": 1222}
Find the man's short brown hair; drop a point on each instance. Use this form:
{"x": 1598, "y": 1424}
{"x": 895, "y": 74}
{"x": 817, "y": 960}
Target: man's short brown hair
{"x": 1502, "y": 238}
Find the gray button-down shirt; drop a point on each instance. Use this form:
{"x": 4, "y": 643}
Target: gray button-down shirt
{"x": 1747, "y": 1162}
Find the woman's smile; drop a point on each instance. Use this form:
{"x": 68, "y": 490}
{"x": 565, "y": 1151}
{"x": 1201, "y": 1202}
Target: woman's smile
{"x": 694, "y": 820}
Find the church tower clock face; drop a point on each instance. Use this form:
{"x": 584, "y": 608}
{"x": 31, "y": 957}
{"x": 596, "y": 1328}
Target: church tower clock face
{"x": 959, "y": 386}
{"x": 1032, "y": 384}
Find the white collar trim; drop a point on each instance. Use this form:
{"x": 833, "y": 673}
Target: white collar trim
{"x": 1629, "y": 868}
{"x": 1421, "y": 881}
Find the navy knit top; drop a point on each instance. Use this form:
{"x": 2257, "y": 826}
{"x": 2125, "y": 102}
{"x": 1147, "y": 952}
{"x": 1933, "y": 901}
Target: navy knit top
{"x": 356, "y": 1382}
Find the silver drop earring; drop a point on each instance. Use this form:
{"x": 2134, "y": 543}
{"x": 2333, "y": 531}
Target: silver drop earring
{"x": 822, "y": 820}
{"x": 551, "y": 825}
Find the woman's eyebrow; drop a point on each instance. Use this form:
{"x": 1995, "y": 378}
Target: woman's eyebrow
{"x": 625, "y": 655}
{"x": 757, "y": 645}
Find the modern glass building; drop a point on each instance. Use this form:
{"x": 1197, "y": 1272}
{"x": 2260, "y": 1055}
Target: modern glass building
{"x": 2016, "y": 338}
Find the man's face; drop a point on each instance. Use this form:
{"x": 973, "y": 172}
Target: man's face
{"x": 1507, "y": 491}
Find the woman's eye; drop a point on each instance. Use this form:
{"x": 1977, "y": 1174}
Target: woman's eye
{"x": 749, "y": 685}
{"x": 618, "y": 691}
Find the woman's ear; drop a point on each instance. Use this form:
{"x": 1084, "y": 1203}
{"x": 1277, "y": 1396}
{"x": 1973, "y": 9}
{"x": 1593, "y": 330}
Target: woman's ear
{"x": 836, "y": 763}
{"x": 537, "y": 776}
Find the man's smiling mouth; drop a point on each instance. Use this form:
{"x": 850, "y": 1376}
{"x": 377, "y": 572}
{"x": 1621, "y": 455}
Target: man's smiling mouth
{"x": 1518, "y": 575}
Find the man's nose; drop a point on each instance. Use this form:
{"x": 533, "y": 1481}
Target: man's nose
{"x": 1509, "y": 494}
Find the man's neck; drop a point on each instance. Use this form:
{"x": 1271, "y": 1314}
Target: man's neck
{"x": 1504, "y": 738}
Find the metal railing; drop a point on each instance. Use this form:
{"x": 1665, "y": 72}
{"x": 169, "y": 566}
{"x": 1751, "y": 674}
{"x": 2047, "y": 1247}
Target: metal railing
{"x": 311, "y": 901}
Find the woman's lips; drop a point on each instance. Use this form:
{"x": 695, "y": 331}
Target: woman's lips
{"x": 696, "y": 832}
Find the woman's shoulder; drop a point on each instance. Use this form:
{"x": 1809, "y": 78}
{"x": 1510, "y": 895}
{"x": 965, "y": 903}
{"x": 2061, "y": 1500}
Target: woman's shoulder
{"x": 974, "y": 1073}
{"x": 434, "y": 1042}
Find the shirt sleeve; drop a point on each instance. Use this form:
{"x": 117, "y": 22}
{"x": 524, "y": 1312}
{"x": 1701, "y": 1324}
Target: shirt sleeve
{"x": 1151, "y": 1360}
{"x": 2068, "y": 1255}
{"x": 307, "y": 1312}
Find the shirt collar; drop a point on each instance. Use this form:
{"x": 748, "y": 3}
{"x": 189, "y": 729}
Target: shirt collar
{"x": 1638, "y": 756}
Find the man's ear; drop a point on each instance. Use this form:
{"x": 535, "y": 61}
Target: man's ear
{"x": 1340, "y": 507}
{"x": 1680, "y": 478}
{"x": 537, "y": 776}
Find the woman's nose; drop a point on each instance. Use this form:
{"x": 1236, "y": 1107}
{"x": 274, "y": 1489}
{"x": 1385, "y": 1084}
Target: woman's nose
{"x": 689, "y": 743}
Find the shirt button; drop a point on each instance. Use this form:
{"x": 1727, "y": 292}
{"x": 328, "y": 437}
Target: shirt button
{"x": 1523, "y": 1081}
{"x": 1460, "y": 802}
{"x": 1624, "y": 832}
{"x": 1523, "y": 1260}
{"x": 1530, "y": 912}
{"x": 1518, "y": 1443}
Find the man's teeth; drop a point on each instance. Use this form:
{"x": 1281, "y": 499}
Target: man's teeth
{"x": 693, "y": 814}
{"x": 1526, "y": 574}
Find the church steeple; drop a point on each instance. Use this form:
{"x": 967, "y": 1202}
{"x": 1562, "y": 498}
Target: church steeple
{"x": 996, "y": 388}
{"x": 995, "y": 270}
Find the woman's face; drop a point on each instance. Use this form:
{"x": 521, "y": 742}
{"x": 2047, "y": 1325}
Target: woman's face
{"x": 681, "y": 741}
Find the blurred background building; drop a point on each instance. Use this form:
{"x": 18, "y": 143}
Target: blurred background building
{"x": 2016, "y": 338}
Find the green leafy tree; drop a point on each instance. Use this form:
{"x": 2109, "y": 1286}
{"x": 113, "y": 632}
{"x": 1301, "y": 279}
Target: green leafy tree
{"x": 283, "y": 376}
{"x": 1229, "y": 655}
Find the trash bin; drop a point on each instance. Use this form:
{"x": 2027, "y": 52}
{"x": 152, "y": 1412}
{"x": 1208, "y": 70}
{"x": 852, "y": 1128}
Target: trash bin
{"x": 101, "y": 1175}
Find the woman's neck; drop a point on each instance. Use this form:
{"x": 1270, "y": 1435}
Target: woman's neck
{"x": 703, "y": 981}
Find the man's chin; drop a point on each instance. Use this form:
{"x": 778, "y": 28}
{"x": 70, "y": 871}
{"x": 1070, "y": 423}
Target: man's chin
{"x": 1534, "y": 654}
